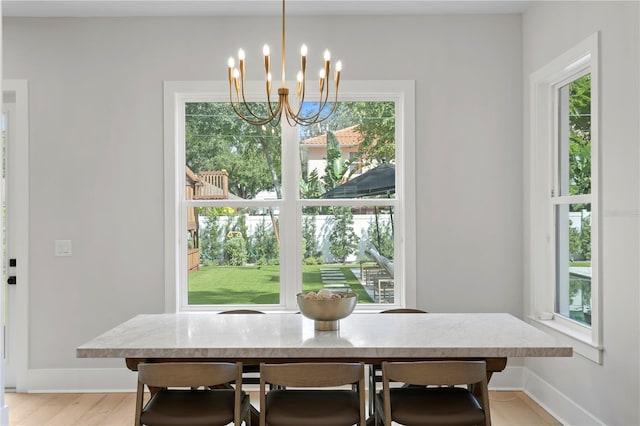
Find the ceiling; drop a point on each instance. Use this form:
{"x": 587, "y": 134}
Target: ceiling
{"x": 113, "y": 8}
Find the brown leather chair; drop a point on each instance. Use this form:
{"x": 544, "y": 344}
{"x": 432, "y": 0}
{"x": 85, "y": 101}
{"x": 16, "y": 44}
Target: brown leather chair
{"x": 289, "y": 404}
{"x": 249, "y": 371}
{"x": 443, "y": 405}
{"x": 189, "y": 405}
{"x": 375, "y": 373}
{"x": 403, "y": 311}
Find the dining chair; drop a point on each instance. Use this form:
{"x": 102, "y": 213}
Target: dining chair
{"x": 176, "y": 397}
{"x": 288, "y": 403}
{"x": 249, "y": 371}
{"x": 443, "y": 405}
{"x": 375, "y": 372}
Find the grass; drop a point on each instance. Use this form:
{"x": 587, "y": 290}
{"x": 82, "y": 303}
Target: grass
{"x": 256, "y": 285}
{"x": 581, "y": 263}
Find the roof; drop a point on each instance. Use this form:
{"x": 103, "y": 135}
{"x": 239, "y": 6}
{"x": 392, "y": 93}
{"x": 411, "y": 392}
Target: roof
{"x": 348, "y": 136}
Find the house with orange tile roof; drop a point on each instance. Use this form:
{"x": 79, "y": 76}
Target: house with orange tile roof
{"x": 314, "y": 150}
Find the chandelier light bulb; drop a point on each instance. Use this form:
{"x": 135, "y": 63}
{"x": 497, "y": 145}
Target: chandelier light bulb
{"x": 231, "y": 62}
{"x": 265, "y": 50}
{"x": 236, "y": 73}
{"x": 241, "y": 54}
{"x": 321, "y": 74}
{"x": 303, "y": 50}
{"x": 269, "y": 77}
{"x": 327, "y": 55}
{"x": 339, "y": 66}
{"x": 300, "y": 76}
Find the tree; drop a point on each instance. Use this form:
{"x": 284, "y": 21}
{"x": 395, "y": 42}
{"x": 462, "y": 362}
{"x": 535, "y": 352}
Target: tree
{"x": 309, "y": 240}
{"x": 585, "y": 238}
{"x": 376, "y": 122}
{"x": 217, "y": 139}
{"x": 336, "y": 166}
{"x": 342, "y": 239}
{"x": 312, "y": 187}
{"x": 580, "y": 139}
{"x": 381, "y": 236}
{"x": 210, "y": 245}
{"x": 264, "y": 246}
{"x": 235, "y": 249}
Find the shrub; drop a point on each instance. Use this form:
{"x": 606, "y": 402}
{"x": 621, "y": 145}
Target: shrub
{"x": 235, "y": 251}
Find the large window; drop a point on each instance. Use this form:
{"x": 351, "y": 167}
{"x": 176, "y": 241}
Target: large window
{"x": 258, "y": 213}
{"x": 571, "y": 199}
{"x": 564, "y": 197}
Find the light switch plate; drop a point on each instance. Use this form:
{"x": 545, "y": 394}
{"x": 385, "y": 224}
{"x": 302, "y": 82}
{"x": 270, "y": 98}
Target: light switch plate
{"x": 63, "y": 247}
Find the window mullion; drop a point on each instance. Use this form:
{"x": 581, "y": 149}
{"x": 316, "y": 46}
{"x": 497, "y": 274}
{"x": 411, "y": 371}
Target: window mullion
{"x": 290, "y": 243}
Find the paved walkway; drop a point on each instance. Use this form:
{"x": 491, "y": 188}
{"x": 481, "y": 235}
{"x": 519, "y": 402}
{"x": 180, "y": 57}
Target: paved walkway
{"x": 333, "y": 278}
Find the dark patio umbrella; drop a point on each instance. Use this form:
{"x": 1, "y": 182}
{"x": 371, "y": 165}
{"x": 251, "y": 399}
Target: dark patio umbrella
{"x": 377, "y": 181}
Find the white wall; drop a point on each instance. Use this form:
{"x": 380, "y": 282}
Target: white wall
{"x": 97, "y": 167}
{"x": 607, "y": 393}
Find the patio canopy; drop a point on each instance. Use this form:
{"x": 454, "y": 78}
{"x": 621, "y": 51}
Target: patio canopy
{"x": 377, "y": 181}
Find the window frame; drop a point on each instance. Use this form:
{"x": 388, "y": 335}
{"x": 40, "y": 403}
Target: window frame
{"x": 580, "y": 60}
{"x": 177, "y": 93}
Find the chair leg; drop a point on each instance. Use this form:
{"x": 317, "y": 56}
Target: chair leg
{"x": 372, "y": 390}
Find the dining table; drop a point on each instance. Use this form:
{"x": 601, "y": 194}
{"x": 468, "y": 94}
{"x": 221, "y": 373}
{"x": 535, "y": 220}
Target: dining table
{"x": 290, "y": 337}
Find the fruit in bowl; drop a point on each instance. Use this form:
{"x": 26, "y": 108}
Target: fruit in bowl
{"x": 327, "y": 307}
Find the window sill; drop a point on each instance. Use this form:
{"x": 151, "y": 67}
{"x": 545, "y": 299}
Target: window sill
{"x": 580, "y": 341}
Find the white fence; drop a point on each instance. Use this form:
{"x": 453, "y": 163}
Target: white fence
{"x": 324, "y": 225}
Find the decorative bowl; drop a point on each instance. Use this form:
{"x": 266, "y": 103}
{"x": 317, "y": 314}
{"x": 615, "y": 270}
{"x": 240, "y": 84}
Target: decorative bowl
{"x": 326, "y": 312}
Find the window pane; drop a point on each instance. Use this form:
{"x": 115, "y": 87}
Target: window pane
{"x": 575, "y": 137}
{"x": 352, "y": 154}
{"x": 573, "y": 260}
{"x": 226, "y": 158}
{"x": 233, "y": 256}
{"x": 349, "y": 249}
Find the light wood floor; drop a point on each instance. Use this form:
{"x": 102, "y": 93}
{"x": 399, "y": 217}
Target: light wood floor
{"x": 116, "y": 409}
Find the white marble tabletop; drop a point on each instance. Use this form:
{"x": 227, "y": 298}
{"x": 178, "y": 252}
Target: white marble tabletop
{"x": 361, "y": 336}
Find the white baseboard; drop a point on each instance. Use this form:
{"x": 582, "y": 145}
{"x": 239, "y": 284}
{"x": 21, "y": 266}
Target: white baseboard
{"x": 4, "y": 416}
{"x": 510, "y": 379}
{"x": 565, "y": 410}
{"x": 79, "y": 380}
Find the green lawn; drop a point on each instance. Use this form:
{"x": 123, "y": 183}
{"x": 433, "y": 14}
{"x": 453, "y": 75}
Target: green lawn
{"x": 239, "y": 285}
{"x": 580, "y": 263}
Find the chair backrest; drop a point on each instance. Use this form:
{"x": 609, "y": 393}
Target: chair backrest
{"x": 439, "y": 373}
{"x": 435, "y": 372}
{"x": 241, "y": 311}
{"x": 311, "y": 374}
{"x": 188, "y": 374}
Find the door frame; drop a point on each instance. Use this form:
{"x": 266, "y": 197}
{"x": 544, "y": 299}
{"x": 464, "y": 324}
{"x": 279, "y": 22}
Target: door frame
{"x": 18, "y": 215}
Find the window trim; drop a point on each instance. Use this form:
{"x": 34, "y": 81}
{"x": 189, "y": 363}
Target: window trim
{"x": 402, "y": 91}
{"x": 582, "y": 58}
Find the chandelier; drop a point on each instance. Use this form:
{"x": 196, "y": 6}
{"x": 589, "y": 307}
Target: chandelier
{"x": 315, "y": 112}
